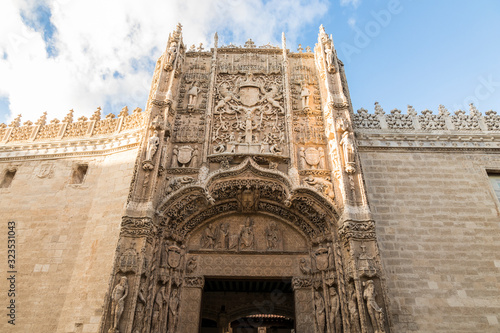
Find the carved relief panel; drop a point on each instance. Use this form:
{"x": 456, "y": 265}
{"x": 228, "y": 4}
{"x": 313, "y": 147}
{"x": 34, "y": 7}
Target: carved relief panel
{"x": 248, "y": 115}
{"x": 193, "y": 91}
{"x": 240, "y": 233}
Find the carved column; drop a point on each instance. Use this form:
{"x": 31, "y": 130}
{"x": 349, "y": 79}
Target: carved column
{"x": 190, "y": 307}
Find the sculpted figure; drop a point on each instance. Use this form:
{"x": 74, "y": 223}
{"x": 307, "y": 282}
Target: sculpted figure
{"x": 322, "y": 162}
{"x": 222, "y": 241}
{"x": 247, "y": 236}
{"x": 171, "y": 54}
{"x": 304, "y": 94}
{"x": 120, "y": 292}
{"x": 157, "y": 310}
{"x": 329, "y": 57}
{"x": 220, "y": 148}
{"x": 302, "y": 159}
{"x": 271, "y": 97}
{"x": 208, "y": 238}
{"x": 319, "y": 307}
{"x": 353, "y": 311}
{"x": 193, "y": 94}
{"x": 227, "y": 96}
{"x": 194, "y": 158}
{"x": 348, "y": 151}
{"x": 334, "y": 315}
{"x": 374, "y": 311}
{"x": 273, "y": 237}
{"x": 152, "y": 146}
{"x": 139, "y": 310}
{"x": 274, "y": 149}
{"x": 173, "y": 307}
{"x": 175, "y": 153}
{"x": 304, "y": 267}
{"x": 321, "y": 184}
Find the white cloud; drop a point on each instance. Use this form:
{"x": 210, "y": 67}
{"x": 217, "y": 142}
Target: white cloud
{"x": 351, "y": 22}
{"x": 354, "y": 3}
{"x": 106, "y": 49}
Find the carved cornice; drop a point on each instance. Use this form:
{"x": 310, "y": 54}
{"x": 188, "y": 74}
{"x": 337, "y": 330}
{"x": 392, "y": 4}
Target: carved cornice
{"x": 413, "y": 140}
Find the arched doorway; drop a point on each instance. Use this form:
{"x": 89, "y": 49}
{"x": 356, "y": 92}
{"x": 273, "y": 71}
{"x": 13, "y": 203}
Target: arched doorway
{"x": 250, "y": 225}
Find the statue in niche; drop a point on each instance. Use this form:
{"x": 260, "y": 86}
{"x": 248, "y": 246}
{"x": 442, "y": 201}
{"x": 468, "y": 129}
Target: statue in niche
{"x": 374, "y": 311}
{"x": 322, "y": 161}
{"x": 304, "y": 95}
{"x": 173, "y": 307}
{"x": 118, "y": 295}
{"x": 208, "y": 237}
{"x": 302, "y": 159}
{"x": 193, "y": 95}
{"x": 329, "y": 57}
{"x": 222, "y": 239}
{"x": 160, "y": 301}
{"x": 175, "y": 153}
{"x": 319, "y": 307}
{"x": 334, "y": 313}
{"x": 353, "y": 310}
{"x": 348, "y": 152}
{"x": 152, "y": 146}
{"x": 139, "y": 309}
{"x": 170, "y": 56}
{"x": 247, "y": 239}
{"x": 273, "y": 237}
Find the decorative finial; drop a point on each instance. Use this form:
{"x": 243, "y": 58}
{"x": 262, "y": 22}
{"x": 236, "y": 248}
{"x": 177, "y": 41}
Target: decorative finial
{"x": 283, "y": 41}
{"x": 123, "y": 112}
{"x": 16, "y": 122}
{"x": 41, "y": 121}
{"x": 216, "y": 39}
{"x": 69, "y": 117}
{"x": 97, "y": 114}
{"x": 300, "y": 49}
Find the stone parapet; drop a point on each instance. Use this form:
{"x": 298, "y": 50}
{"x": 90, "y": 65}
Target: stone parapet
{"x": 443, "y": 130}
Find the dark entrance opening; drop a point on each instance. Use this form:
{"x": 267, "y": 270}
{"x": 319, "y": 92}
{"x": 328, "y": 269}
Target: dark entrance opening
{"x": 247, "y": 306}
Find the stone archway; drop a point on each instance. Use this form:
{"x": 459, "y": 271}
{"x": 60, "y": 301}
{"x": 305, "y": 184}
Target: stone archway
{"x": 251, "y": 223}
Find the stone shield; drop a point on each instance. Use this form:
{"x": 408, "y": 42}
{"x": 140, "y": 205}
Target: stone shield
{"x": 174, "y": 256}
{"x": 185, "y": 154}
{"x": 322, "y": 259}
{"x": 312, "y": 156}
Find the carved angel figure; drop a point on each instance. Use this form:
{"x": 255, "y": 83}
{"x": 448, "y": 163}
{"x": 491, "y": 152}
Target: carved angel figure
{"x": 348, "y": 151}
{"x": 120, "y": 292}
{"x": 304, "y": 267}
{"x": 173, "y": 307}
{"x": 353, "y": 311}
{"x": 329, "y": 57}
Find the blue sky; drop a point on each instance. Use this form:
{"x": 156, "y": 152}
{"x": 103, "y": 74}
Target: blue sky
{"x": 61, "y": 54}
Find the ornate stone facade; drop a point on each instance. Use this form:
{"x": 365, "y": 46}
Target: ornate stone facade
{"x": 247, "y": 168}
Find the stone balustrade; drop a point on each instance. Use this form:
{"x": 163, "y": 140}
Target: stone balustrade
{"x": 67, "y": 129}
{"x": 427, "y": 121}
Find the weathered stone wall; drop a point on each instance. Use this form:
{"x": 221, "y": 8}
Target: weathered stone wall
{"x": 66, "y": 239}
{"x": 438, "y": 229}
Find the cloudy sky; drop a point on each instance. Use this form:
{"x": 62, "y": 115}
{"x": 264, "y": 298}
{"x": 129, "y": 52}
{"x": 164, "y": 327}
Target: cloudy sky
{"x": 61, "y": 54}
